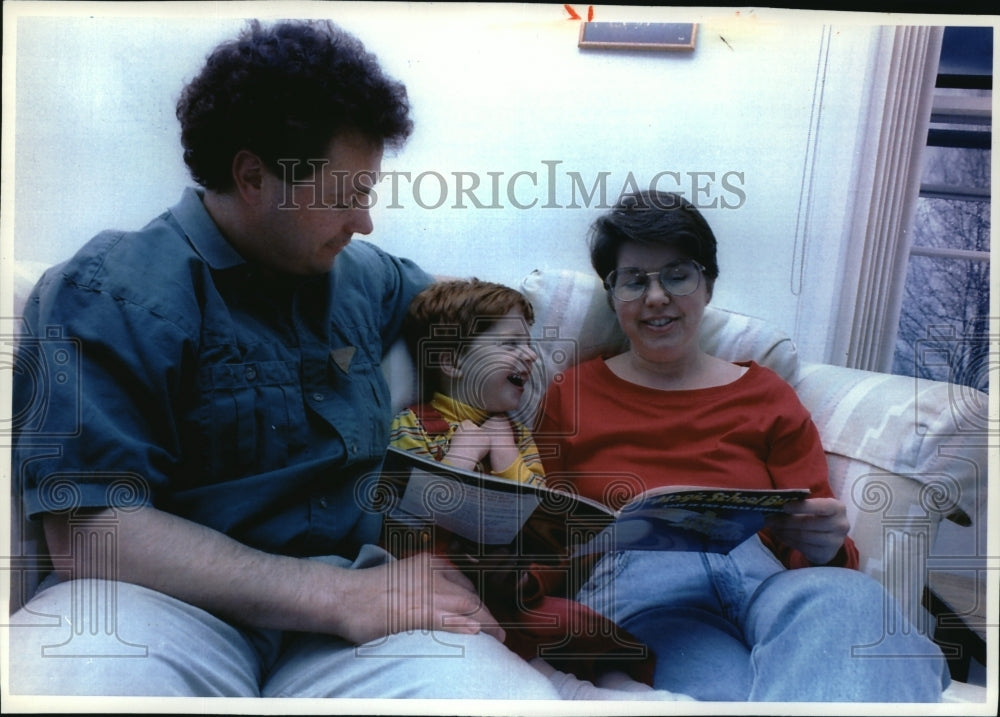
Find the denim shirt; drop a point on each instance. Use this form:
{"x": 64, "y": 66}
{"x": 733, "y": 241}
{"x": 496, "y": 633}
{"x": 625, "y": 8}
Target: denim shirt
{"x": 159, "y": 367}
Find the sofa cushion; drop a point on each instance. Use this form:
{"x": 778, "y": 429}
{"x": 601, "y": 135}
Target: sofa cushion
{"x": 401, "y": 374}
{"x": 573, "y": 322}
{"x": 738, "y": 337}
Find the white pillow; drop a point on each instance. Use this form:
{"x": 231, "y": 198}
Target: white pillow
{"x": 738, "y": 337}
{"x": 26, "y": 275}
{"x": 573, "y": 321}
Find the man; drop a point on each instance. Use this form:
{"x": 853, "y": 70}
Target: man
{"x": 209, "y": 480}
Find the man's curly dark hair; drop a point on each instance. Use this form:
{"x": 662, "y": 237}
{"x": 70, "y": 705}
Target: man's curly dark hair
{"x": 284, "y": 92}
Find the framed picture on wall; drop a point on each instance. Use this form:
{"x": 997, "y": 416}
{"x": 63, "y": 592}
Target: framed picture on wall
{"x": 638, "y": 35}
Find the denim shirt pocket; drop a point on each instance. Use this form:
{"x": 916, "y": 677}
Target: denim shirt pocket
{"x": 363, "y": 400}
{"x": 251, "y": 417}
{"x": 370, "y": 369}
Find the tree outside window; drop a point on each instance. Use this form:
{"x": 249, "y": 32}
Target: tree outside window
{"x": 944, "y": 323}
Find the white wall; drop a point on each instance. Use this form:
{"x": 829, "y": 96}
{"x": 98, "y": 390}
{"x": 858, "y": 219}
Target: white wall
{"x": 769, "y": 99}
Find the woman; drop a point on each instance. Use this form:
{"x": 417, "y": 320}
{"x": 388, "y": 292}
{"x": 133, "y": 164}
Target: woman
{"x": 782, "y": 617}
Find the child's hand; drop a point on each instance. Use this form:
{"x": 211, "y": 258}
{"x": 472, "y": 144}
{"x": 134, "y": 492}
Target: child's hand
{"x": 469, "y": 444}
{"x": 503, "y": 451}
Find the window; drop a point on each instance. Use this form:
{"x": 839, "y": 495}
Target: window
{"x": 943, "y": 326}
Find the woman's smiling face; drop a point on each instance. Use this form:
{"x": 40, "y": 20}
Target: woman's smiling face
{"x": 661, "y": 328}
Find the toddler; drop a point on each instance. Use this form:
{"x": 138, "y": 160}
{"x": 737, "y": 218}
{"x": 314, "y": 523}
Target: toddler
{"x": 471, "y": 343}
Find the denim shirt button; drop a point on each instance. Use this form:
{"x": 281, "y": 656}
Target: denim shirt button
{"x": 251, "y": 373}
{"x": 318, "y": 396}
{"x": 323, "y": 503}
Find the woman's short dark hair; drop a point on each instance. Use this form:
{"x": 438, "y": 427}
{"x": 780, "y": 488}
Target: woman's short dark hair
{"x": 653, "y": 218}
{"x": 285, "y": 92}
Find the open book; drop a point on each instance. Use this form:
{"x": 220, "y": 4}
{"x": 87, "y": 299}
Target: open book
{"x": 489, "y": 511}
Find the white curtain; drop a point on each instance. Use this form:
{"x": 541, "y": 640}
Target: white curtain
{"x": 877, "y": 245}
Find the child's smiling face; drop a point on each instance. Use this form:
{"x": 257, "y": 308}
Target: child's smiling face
{"x": 495, "y": 367}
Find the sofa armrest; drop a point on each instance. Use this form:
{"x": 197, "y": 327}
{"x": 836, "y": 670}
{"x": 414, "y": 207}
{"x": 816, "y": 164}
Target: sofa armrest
{"x": 904, "y": 455}
{"x": 933, "y": 432}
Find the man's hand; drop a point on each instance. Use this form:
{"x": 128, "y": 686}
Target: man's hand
{"x": 816, "y": 527}
{"x": 205, "y": 568}
{"x": 421, "y": 592}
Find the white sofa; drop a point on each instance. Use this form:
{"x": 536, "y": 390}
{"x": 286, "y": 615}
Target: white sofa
{"x": 906, "y": 456}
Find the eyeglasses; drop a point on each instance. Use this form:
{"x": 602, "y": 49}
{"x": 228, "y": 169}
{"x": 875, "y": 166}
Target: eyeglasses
{"x": 678, "y": 278}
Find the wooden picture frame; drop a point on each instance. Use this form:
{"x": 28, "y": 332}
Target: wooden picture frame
{"x": 638, "y": 36}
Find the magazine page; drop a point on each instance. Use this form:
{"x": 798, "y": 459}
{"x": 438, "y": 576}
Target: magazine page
{"x": 694, "y": 519}
{"x": 533, "y": 521}
{"x": 473, "y": 511}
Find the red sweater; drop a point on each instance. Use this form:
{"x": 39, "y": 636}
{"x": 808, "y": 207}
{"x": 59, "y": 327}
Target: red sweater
{"x": 612, "y": 439}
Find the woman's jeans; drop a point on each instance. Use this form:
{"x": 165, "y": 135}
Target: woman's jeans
{"x": 742, "y": 627}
